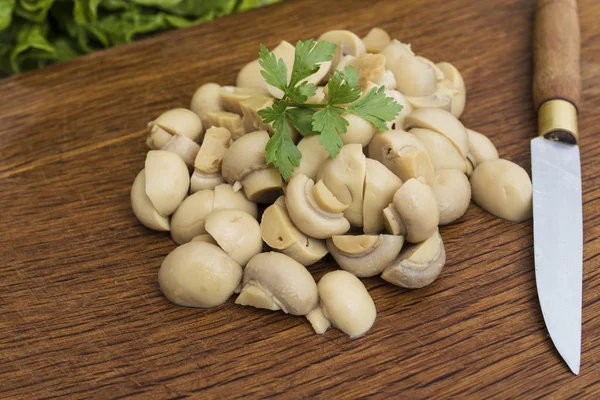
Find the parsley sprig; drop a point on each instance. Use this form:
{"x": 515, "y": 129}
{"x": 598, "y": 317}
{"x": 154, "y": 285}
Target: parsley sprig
{"x": 327, "y": 119}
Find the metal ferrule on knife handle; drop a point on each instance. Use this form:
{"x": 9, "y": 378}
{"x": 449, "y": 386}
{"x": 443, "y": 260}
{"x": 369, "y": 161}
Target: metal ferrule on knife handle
{"x": 556, "y": 79}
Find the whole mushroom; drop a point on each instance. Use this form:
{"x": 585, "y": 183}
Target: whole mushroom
{"x": 178, "y": 121}
{"x": 143, "y": 208}
{"x": 206, "y": 99}
{"x": 236, "y": 232}
{"x": 167, "y": 180}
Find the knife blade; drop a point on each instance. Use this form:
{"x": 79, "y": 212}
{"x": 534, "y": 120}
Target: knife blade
{"x": 556, "y": 175}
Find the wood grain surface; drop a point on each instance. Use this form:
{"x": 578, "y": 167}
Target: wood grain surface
{"x": 81, "y": 313}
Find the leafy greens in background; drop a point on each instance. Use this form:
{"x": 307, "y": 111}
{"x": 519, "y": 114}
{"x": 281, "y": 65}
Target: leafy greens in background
{"x": 35, "y": 33}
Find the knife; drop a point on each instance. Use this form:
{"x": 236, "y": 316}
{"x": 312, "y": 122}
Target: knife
{"x": 556, "y": 173}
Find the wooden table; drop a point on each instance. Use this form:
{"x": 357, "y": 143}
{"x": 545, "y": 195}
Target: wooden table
{"x": 81, "y": 314}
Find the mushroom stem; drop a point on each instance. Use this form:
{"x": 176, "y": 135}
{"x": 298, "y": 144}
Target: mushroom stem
{"x": 263, "y": 186}
{"x": 318, "y": 320}
{"x": 252, "y": 295}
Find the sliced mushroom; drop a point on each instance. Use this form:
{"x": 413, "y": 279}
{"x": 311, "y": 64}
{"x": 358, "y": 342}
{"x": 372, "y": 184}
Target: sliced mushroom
{"x": 232, "y": 96}
{"x": 376, "y": 40}
{"x": 439, "y": 75}
{"x": 201, "y": 181}
{"x": 188, "y": 221}
{"x": 236, "y": 232}
{"x": 453, "y": 193}
{"x": 370, "y": 68}
{"x": 502, "y": 188}
{"x": 206, "y": 238}
{"x": 398, "y": 123}
{"x": 437, "y": 100}
{"x": 245, "y": 163}
{"x": 275, "y": 281}
{"x": 347, "y": 43}
{"x": 458, "y": 97}
{"x": 413, "y": 76}
{"x": 344, "y": 176}
{"x": 185, "y": 147}
{"x": 453, "y": 75}
{"x": 280, "y": 233}
{"x": 403, "y": 154}
{"x": 418, "y": 210}
{"x": 480, "y": 148}
{"x": 345, "y": 303}
{"x": 167, "y": 180}
{"x": 143, "y": 208}
{"x": 417, "y": 265}
{"x": 207, "y": 173}
{"x": 206, "y": 99}
{"x": 198, "y": 275}
{"x": 359, "y": 131}
{"x": 393, "y": 221}
{"x": 442, "y": 153}
{"x": 380, "y": 186}
{"x": 365, "y": 255}
{"x": 227, "y": 198}
{"x": 442, "y": 122}
{"x": 178, "y": 121}
{"x": 313, "y": 155}
{"x": 315, "y": 211}
{"x": 394, "y": 50}
{"x": 250, "y": 77}
{"x": 230, "y": 121}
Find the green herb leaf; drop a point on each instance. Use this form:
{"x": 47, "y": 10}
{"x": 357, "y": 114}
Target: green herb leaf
{"x": 307, "y": 57}
{"x": 376, "y": 108}
{"x": 302, "y": 119}
{"x": 274, "y": 70}
{"x": 330, "y": 124}
{"x": 302, "y": 92}
{"x": 341, "y": 87}
{"x": 281, "y": 150}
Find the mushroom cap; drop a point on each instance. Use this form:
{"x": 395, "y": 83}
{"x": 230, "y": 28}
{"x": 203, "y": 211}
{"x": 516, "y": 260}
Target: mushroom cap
{"x": 439, "y": 100}
{"x": 282, "y": 279}
{"x": 313, "y": 155}
{"x": 202, "y": 181}
{"x": 320, "y": 218}
{"x": 417, "y": 265}
{"x": 206, "y": 238}
{"x": 442, "y": 153}
{"x": 502, "y": 188}
{"x": 198, "y": 274}
{"x": 250, "y": 77}
{"x": 365, "y": 255}
{"x": 417, "y": 206}
{"x": 394, "y": 50}
{"x": 236, "y": 232}
{"x": 480, "y": 148}
{"x": 279, "y": 232}
{"x": 452, "y": 74}
{"x": 403, "y": 154}
{"x": 167, "y": 180}
{"x": 346, "y": 303}
{"x": 414, "y": 77}
{"x": 359, "y": 131}
{"x": 453, "y": 193}
{"x": 376, "y": 40}
{"x": 157, "y": 137}
{"x": 347, "y": 43}
{"x": 245, "y": 155}
{"x": 443, "y": 122}
{"x": 184, "y": 147}
{"x": 398, "y": 123}
{"x": 380, "y": 186}
{"x": 143, "y": 208}
{"x": 206, "y": 99}
{"x": 344, "y": 176}
{"x": 188, "y": 221}
{"x": 179, "y": 121}
{"x": 227, "y": 198}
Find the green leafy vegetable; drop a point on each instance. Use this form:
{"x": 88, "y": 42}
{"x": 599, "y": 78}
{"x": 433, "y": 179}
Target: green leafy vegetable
{"x": 326, "y": 120}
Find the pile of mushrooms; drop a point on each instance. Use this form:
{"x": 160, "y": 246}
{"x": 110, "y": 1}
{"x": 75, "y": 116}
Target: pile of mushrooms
{"x": 376, "y": 207}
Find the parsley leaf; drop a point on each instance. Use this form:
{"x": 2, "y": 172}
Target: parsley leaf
{"x": 302, "y": 92}
{"x": 280, "y": 150}
{"x": 274, "y": 70}
{"x": 301, "y": 119}
{"x": 341, "y": 88}
{"x": 330, "y": 123}
{"x": 307, "y": 56}
{"x": 376, "y": 108}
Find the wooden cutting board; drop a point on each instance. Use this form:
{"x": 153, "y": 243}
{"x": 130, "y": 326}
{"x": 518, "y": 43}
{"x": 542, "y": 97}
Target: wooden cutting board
{"x": 81, "y": 313}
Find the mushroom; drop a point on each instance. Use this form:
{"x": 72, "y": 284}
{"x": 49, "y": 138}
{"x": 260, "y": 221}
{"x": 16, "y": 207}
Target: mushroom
{"x": 371, "y": 69}
{"x": 443, "y": 122}
{"x": 437, "y": 100}
{"x": 414, "y": 77}
{"x": 417, "y": 209}
{"x": 442, "y": 153}
{"x": 207, "y": 172}
{"x": 143, "y": 208}
{"x": 359, "y": 131}
{"x": 313, "y": 155}
{"x": 502, "y": 188}
{"x": 398, "y": 123}
{"x": 167, "y": 180}
{"x": 376, "y": 40}
{"x": 345, "y": 303}
{"x": 236, "y": 232}
{"x": 394, "y": 50}
{"x": 380, "y": 186}
{"x": 453, "y": 75}
{"x": 347, "y": 43}
{"x": 439, "y": 75}
{"x": 280, "y": 233}
{"x": 315, "y": 211}
{"x": 274, "y": 281}
{"x": 250, "y": 76}
{"x": 206, "y": 238}
{"x": 364, "y": 255}
{"x": 232, "y": 96}
{"x": 184, "y": 147}
{"x": 453, "y": 193}
{"x": 344, "y": 176}
{"x": 417, "y": 265}
{"x": 198, "y": 275}
{"x": 480, "y": 149}
{"x": 403, "y": 154}
{"x": 206, "y": 99}
{"x": 231, "y": 121}
{"x": 245, "y": 163}
{"x": 178, "y": 121}
{"x": 457, "y": 97}
{"x": 189, "y": 219}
